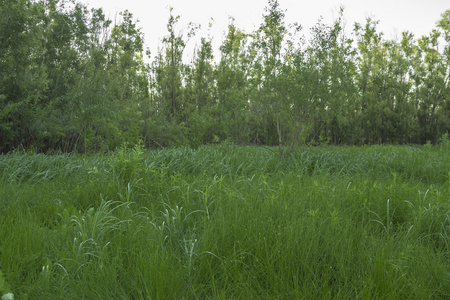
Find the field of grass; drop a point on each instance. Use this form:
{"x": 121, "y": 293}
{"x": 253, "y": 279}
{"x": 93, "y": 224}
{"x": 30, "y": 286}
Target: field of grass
{"x": 226, "y": 222}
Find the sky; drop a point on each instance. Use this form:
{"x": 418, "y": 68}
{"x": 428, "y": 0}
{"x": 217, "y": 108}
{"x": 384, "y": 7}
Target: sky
{"x": 395, "y": 16}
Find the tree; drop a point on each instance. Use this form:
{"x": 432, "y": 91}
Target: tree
{"x": 431, "y": 88}
{"x": 201, "y": 107}
{"x": 444, "y": 27}
{"x": 169, "y": 68}
{"x": 371, "y": 80}
{"x": 23, "y": 76}
{"x": 271, "y": 35}
{"x": 169, "y": 91}
{"x": 331, "y": 61}
{"x": 231, "y": 74}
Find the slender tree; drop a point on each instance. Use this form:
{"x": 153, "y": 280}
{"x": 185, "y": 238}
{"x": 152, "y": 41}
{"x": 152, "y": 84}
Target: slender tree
{"x": 232, "y": 75}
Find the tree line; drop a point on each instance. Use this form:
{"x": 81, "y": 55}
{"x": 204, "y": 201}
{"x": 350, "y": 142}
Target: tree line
{"x": 72, "y": 80}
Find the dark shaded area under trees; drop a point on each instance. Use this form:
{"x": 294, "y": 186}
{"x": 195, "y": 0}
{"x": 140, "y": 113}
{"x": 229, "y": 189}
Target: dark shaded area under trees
{"x": 71, "y": 80}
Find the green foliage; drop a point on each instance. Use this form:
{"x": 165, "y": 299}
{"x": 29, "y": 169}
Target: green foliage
{"x": 4, "y": 286}
{"x": 359, "y": 222}
{"x": 74, "y": 81}
{"x": 126, "y": 164}
{"x": 444, "y": 141}
{"x": 72, "y": 78}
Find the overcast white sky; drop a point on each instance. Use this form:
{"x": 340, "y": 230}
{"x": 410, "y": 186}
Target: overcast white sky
{"x": 396, "y": 16}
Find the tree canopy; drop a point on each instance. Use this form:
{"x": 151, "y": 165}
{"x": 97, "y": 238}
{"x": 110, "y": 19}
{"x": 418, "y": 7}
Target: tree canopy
{"x": 72, "y": 80}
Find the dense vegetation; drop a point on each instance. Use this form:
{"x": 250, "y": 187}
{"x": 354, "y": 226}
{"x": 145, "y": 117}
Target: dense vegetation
{"x": 221, "y": 221}
{"x": 227, "y": 222}
{"x": 72, "y": 80}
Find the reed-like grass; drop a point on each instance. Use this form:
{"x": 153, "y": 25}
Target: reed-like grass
{"x": 226, "y": 222}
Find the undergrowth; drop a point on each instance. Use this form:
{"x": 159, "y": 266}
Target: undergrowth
{"x": 226, "y": 222}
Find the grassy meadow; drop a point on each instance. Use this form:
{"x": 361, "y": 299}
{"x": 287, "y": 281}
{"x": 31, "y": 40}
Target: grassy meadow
{"x": 227, "y": 222}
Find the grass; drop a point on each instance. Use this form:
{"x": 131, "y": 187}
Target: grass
{"x": 226, "y": 222}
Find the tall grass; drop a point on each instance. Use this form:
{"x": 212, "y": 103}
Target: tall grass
{"x": 224, "y": 222}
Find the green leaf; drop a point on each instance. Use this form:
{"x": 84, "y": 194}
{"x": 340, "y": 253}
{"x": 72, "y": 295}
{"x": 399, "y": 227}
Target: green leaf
{"x": 4, "y": 286}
